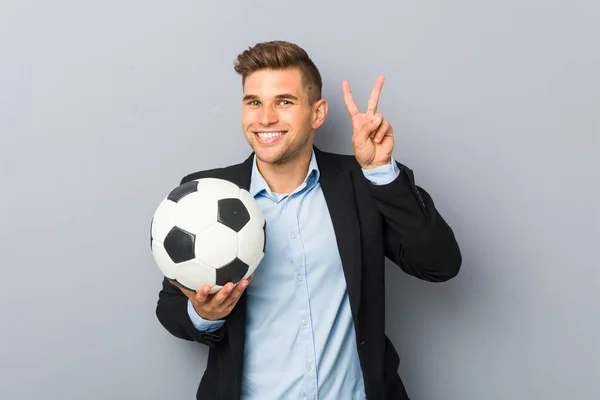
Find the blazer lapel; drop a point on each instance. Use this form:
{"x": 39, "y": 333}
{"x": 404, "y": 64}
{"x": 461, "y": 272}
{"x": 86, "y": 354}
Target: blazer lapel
{"x": 338, "y": 190}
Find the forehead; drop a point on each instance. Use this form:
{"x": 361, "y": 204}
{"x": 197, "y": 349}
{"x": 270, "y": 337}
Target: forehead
{"x": 273, "y": 82}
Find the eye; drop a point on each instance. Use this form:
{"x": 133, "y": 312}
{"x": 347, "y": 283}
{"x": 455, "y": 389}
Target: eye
{"x": 254, "y": 103}
{"x": 285, "y": 102}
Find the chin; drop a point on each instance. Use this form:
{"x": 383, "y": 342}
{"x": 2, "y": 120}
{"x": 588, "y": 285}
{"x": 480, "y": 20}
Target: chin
{"x": 270, "y": 156}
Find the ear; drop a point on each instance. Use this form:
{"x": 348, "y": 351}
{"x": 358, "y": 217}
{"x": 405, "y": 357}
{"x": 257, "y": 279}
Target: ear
{"x": 319, "y": 113}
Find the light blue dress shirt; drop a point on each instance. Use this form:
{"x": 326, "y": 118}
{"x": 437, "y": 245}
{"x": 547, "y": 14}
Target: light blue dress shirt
{"x": 300, "y": 338}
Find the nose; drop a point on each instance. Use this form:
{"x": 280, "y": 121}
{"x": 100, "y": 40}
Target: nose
{"x": 268, "y": 116}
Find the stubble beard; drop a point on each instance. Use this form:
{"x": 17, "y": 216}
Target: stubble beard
{"x": 286, "y": 155}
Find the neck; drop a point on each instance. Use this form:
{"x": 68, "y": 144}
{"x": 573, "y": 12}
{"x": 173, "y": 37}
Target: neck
{"x": 286, "y": 176}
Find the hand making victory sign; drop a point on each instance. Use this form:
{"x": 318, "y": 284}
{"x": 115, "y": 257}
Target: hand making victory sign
{"x": 372, "y": 135}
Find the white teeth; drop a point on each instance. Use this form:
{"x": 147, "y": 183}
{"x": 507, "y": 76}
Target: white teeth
{"x": 269, "y": 135}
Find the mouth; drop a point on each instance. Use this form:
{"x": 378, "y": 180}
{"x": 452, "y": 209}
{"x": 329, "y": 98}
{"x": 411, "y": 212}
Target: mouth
{"x": 268, "y": 137}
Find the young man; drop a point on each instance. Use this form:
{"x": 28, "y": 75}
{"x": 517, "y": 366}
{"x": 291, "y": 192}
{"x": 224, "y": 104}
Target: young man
{"x": 310, "y": 324}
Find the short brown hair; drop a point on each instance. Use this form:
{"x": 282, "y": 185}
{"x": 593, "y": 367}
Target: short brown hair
{"x": 281, "y": 55}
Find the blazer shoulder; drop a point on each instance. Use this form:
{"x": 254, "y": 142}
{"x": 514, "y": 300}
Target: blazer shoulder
{"x": 344, "y": 161}
{"x": 206, "y": 173}
{"x": 237, "y": 173}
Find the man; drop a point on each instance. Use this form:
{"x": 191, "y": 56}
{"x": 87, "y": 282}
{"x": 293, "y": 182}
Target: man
{"x": 310, "y": 322}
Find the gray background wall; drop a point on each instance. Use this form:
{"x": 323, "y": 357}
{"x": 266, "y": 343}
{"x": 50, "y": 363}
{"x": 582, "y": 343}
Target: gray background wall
{"x": 105, "y": 105}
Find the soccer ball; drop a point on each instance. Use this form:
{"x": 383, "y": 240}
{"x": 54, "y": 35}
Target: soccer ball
{"x": 207, "y": 231}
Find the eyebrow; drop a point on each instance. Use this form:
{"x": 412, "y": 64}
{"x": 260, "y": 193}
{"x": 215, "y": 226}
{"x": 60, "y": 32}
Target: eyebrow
{"x": 279, "y": 96}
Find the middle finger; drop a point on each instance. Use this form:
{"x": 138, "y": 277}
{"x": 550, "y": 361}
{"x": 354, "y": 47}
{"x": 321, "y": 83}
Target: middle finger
{"x": 237, "y": 292}
{"x": 374, "y": 98}
{"x": 222, "y": 295}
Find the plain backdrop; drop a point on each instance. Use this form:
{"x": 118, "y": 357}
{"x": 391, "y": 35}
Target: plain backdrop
{"x": 105, "y": 105}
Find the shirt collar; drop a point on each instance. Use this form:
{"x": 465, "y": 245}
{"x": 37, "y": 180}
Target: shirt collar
{"x": 258, "y": 185}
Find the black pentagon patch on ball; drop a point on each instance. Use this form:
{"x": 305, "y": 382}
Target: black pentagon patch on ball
{"x": 183, "y": 190}
{"x": 179, "y": 245}
{"x": 232, "y": 272}
{"x": 232, "y": 213}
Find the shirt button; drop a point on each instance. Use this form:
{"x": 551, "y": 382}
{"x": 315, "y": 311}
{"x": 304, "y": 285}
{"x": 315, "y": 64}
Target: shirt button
{"x": 300, "y": 278}
{"x": 304, "y": 322}
{"x": 309, "y": 367}
{"x": 293, "y": 235}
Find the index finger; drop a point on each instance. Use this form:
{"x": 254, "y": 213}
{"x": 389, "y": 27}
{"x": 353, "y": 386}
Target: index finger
{"x": 375, "y": 93}
{"x": 348, "y": 99}
{"x": 223, "y": 293}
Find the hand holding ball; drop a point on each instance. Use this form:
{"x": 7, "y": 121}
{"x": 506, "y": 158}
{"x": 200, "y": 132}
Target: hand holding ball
{"x": 208, "y": 232}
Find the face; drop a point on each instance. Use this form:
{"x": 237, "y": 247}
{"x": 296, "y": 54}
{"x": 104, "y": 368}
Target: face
{"x": 277, "y": 119}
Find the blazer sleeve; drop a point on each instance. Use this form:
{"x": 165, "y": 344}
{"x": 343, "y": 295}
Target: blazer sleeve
{"x": 172, "y": 313}
{"x": 417, "y": 238}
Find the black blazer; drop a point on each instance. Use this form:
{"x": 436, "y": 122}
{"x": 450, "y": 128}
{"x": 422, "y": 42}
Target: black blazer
{"x": 398, "y": 221}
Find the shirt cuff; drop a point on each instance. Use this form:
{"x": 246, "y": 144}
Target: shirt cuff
{"x": 200, "y": 323}
{"x": 382, "y": 175}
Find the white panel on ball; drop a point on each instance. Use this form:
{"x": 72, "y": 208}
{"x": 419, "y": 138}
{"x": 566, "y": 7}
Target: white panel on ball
{"x": 251, "y": 241}
{"x": 216, "y": 245}
{"x": 215, "y": 289}
{"x": 254, "y": 210}
{"x": 196, "y": 211}
{"x": 217, "y": 188}
{"x": 163, "y": 220}
{"x": 193, "y": 274}
{"x": 163, "y": 261}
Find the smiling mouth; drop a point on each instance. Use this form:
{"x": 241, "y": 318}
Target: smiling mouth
{"x": 269, "y": 136}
